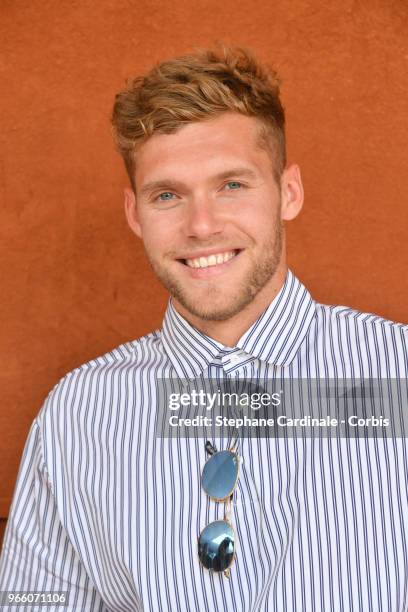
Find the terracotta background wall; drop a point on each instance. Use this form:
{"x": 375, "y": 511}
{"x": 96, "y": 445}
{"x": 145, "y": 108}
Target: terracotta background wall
{"x": 74, "y": 279}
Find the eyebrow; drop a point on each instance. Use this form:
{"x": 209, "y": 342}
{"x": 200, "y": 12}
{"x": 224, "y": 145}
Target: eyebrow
{"x": 179, "y": 185}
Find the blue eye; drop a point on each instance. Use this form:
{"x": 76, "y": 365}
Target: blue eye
{"x": 233, "y": 185}
{"x": 166, "y": 196}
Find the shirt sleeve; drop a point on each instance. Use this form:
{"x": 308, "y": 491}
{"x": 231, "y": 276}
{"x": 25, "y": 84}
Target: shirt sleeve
{"x": 37, "y": 554}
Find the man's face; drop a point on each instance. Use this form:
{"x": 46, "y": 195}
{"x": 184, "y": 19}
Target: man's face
{"x": 209, "y": 212}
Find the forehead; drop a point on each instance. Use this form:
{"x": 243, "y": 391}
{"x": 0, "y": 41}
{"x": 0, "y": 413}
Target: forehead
{"x": 201, "y": 148}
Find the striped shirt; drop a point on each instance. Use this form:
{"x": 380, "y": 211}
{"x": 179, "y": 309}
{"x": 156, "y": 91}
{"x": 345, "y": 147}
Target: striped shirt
{"x": 109, "y": 512}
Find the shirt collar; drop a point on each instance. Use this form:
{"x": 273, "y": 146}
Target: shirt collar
{"x": 275, "y": 337}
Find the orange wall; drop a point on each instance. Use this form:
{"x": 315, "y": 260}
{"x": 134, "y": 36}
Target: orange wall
{"x": 74, "y": 279}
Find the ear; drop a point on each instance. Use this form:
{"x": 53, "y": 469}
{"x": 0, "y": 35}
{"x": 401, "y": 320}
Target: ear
{"x": 131, "y": 211}
{"x": 291, "y": 192}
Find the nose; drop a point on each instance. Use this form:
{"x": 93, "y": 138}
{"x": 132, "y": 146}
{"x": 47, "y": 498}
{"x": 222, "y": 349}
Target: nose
{"x": 203, "y": 218}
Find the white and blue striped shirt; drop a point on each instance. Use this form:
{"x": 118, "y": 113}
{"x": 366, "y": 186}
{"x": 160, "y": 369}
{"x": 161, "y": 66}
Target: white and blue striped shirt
{"x": 109, "y": 512}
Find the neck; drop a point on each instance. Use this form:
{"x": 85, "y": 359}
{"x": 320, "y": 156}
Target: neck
{"x": 228, "y": 332}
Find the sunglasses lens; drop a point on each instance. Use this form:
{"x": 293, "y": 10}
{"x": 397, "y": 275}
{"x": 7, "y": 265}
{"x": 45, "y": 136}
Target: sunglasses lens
{"x": 220, "y": 475}
{"x": 216, "y": 546}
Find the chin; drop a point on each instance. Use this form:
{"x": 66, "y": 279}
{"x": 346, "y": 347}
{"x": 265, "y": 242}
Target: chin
{"x": 206, "y": 310}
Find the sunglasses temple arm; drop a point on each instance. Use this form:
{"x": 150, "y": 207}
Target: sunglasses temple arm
{"x": 227, "y": 517}
{"x": 210, "y": 448}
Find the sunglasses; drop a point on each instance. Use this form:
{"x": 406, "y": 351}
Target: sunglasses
{"x": 216, "y": 543}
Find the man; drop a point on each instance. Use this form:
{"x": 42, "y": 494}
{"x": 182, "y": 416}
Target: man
{"x": 109, "y": 512}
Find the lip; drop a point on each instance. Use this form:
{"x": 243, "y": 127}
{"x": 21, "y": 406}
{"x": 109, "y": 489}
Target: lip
{"x": 211, "y": 271}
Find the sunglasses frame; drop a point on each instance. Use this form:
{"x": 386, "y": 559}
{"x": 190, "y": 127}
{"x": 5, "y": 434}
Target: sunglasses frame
{"x": 227, "y": 510}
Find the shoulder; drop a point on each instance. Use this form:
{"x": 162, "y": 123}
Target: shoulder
{"x": 90, "y": 410}
{"x": 90, "y": 384}
{"x": 346, "y": 317}
{"x": 364, "y": 338}
{"x": 133, "y": 354}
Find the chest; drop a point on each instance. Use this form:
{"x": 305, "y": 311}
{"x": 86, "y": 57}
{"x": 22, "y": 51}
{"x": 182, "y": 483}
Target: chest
{"x": 319, "y": 525}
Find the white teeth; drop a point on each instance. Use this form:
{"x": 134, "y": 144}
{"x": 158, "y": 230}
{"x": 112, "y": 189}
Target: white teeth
{"x": 211, "y": 260}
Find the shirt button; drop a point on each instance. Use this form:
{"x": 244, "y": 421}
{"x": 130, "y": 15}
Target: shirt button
{"x": 234, "y": 358}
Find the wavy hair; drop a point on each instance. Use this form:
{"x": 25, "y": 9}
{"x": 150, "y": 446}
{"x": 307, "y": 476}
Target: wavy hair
{"x": 196, "y": 87}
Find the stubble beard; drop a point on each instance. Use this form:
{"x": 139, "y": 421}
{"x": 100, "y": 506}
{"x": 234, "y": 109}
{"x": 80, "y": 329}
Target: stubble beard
{"x": 256, "y": 278}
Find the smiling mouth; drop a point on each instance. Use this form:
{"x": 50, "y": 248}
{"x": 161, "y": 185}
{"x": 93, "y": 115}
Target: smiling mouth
{"x": 211, "y": 260}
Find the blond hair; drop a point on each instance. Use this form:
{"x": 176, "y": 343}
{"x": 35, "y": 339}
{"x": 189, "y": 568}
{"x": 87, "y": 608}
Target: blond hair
{"x": 196, "y": 87}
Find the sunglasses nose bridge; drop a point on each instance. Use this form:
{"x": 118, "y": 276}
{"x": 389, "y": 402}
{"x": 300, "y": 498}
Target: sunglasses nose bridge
{"x": 227, "y": 509}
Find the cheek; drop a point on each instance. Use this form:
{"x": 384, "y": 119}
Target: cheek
{"x": 162, "y": 229}
{"x": 157, "y": 237}
{"x": 259, "y": 211}
{"x": 152, "y": 242}
{"x": 257, "y": 223}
